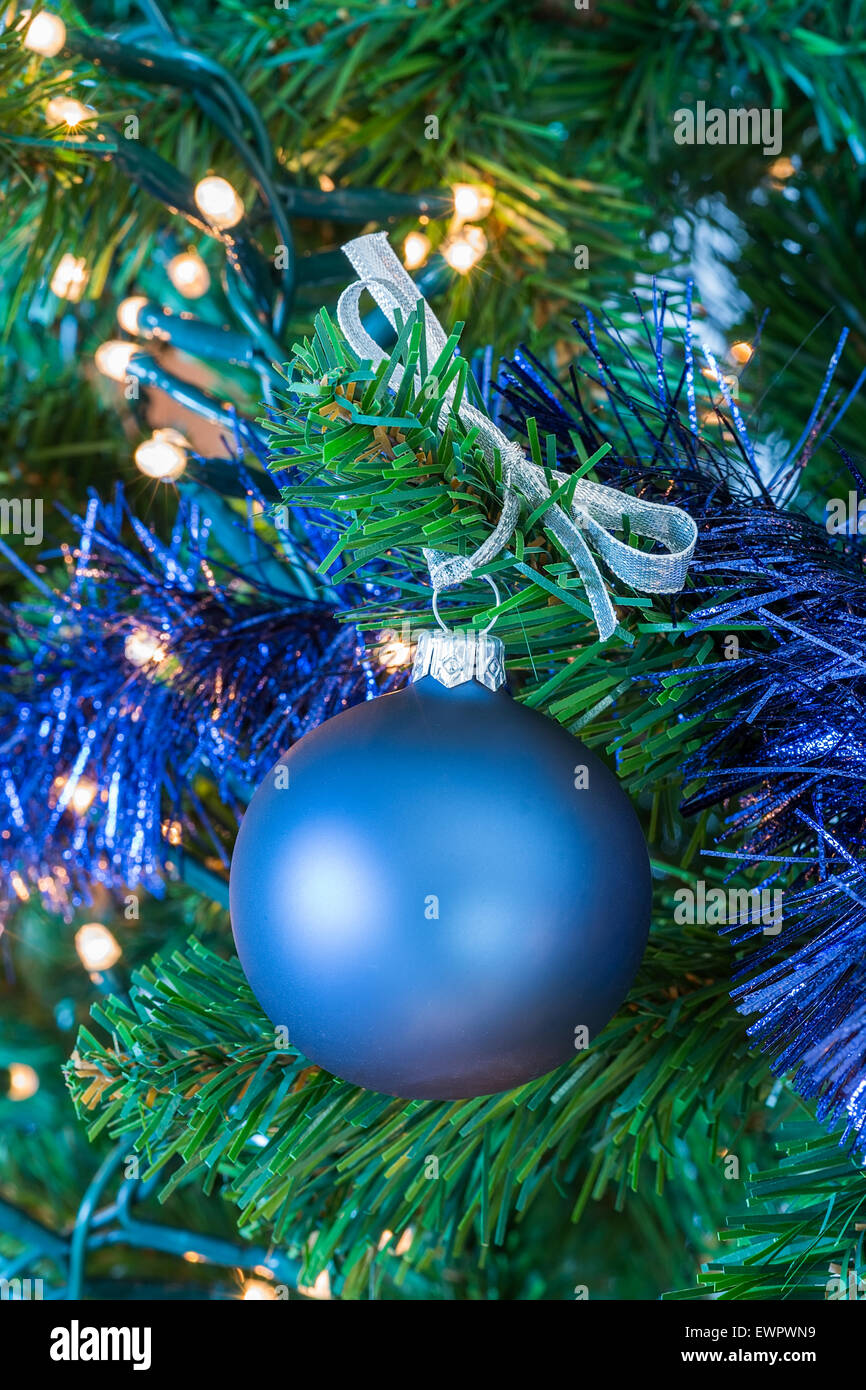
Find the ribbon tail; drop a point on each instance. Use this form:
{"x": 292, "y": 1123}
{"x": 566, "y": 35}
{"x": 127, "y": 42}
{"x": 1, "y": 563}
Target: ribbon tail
{"x": 581, "y": 557}
{"x": 529, "y": 479}
{"x": 596, "y": 508}
{"x": 375, "y": 263}
{"x": 381, "y": 273}
{"x": 353, "y": 330}
{"x": 446, "y": 570}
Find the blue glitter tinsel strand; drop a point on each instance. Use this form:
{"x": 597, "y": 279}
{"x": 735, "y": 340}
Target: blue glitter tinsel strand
{"x": 788, "y": 753}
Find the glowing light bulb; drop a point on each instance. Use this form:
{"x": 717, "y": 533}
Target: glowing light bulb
{"x": 782, "y": 168}
{"x": 172, "y": 830}
{"x": 416, "y": 249}
{"x": 83, "y": 796}
{"x": 70, "y": 277}
{"x": 112, "y": 358}
{"x": 189, "y": 274}
{"x": 46, "y": 33}
{"x": 128, "y": 311}
{"x": 464, "y": 251}
{"x": 257, "y": 1291}
{"x": 68, "y": 111}
{"x": 471, "y": 201}
{"x": 404, "y": 1244}
{"x": 23, "y": 1081}
{"x": 742, "y": 352}
{"x": 218, "y": 202}
{"x": 394, "y": 653}
{"x": 731, "y": 382}
{"x": 97, "y": 948}
{"x": 321, "y": 1288}
{"x": 142, "y": 646}
{"x": 162, "y": 456}
{"x": 21, "y": 889}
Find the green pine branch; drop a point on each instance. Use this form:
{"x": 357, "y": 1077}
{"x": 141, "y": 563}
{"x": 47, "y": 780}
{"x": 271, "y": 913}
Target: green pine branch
{"x": 802, "y": 1235}
{"x": 189, "y": 1072}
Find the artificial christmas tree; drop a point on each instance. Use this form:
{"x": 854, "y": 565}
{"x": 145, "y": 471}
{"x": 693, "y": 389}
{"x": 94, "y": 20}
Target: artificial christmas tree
{"x": 247, "y": 510}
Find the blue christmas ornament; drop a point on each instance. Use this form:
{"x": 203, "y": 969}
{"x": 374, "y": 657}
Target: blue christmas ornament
{"x": 440, "y": 893}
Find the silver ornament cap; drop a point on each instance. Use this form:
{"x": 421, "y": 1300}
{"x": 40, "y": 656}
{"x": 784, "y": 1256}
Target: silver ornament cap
{"x": 453, "y": 658}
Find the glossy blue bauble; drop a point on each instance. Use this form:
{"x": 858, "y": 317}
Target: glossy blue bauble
{"x": 433, "y": 896}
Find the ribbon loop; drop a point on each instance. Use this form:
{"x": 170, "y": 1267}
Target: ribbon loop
{"x": 595, "y": 510}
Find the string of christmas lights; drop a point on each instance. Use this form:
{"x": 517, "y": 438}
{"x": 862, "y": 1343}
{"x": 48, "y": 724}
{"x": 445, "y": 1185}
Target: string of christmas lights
{"x": 258, "y": 289}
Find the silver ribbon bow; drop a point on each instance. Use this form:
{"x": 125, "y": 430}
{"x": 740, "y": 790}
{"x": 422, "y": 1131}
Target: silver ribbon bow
{"x": 593, "y": 508}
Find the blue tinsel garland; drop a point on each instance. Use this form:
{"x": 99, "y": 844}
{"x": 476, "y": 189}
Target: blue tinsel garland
{"x": 787, "y": 767}
{"x": 99, "y": 756}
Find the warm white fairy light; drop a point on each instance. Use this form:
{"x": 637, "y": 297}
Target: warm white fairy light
{"x": 82, "y": 797}
{"x": 143, "y": 646}
{"x": 97, "y": 948}
{"x": 320, "y": 1289}
{"x": 112, "y": 358}
{"x": 23, "y": 1081}
{"x": 257, "y": 1291}
{"x": 46, "y": 33}
{"x": 393, "y": 652}
{"x": 162, "y": 456}
{"x": 782, "y": 168}
{"x": 459, "y": 255}
{"x": 724, "y": 380}
{"x": 189, "y": 274}
{"x": 465, "y": 250}
{"x": 741, "y": 352}
{"x": 70, "y": 277}
{"x": 172, "y": 830}
{"x": 416, "y": 249}
{"x": 68, "y": 111}
{"x": 128, "y": 311}
{"x": 404, "y": 1244}
{"x": 22, "y": 892}
{"x": 218, "y": 201}
{"x": 471, "y": 202}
